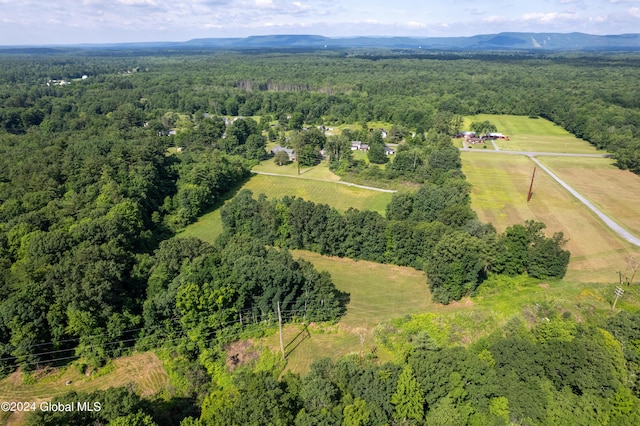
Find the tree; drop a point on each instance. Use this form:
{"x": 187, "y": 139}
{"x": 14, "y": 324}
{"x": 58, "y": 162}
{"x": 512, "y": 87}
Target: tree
{"x": 296, "y": 121}
{"x": 356, "y": 414}
{"x": 337, "y": 148}
{"x": 376, "y": 154}
{"x": 308, "y": 155}
{"x": 211, "y": 129}
{"x": 456, "y": 266}
{"x": 408, "y": 398}
{"x": 281, "y": 158}
{"x": 483, "y": 127}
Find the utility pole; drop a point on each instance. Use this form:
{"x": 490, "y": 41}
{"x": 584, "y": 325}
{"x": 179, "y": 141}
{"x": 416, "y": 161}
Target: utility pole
{"x": 280, "y": 323}
{"x": 531, "y": 186}
{"x": 619, "y": 292}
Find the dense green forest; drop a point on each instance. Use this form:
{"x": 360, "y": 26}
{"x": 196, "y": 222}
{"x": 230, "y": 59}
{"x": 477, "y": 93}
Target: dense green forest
{"x": 91, "y": 196}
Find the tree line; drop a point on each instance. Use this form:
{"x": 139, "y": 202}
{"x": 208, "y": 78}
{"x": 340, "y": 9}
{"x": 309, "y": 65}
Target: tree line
{"x": 432, "y": 229}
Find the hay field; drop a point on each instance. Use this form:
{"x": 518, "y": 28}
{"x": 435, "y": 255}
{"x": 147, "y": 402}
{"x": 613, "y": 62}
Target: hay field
{"x": 209, "y": 225}
{"x": 500, "y": 185}
{"x": 378, "y": 293}
{"x": 143, "y": 370}
{"x": 616, "y": 192}
{"x": 533, "y": 134}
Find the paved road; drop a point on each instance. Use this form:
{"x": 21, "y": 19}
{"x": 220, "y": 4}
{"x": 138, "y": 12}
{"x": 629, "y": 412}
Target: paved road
{"x": 371, "y": 188}
{"x": 623, "y": 233}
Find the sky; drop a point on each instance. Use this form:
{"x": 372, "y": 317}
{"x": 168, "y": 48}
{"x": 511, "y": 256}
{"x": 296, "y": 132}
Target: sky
{"x": 36, "y": 22}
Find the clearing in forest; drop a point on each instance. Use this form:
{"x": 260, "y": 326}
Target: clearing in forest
{"x": 342, "y": 197}
{"x": 377, "y": 292}
{"x": 383, "y": 296}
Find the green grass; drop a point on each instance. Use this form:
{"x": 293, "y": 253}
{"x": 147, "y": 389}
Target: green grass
{"x": 500, "y": 185}
{"x": 144, "y": 371}
{"x": 377, "y": 293}
{"x": 209, "y": 226}
{"x": 339, "y": 196}
{"x": 320, "y": 171}
{"x": 533, "y": 134}
{"x": 383, "y": 296}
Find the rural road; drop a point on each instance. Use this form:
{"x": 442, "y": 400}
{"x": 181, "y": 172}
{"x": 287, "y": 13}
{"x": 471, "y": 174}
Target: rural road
{"x": 371, "y": 188}
{"x": 623, "y": 233}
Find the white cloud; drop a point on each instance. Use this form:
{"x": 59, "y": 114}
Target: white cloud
{"x": 414, "y": 24}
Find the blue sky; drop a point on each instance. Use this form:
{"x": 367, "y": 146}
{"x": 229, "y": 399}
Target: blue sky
{"x": 95, "y": 21}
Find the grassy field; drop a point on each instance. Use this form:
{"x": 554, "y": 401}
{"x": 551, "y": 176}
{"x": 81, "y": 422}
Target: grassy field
{"x": 500, "y": 186}
{"x": 616, "y": 192}
{"x": 144, "y": 370}
{"x": 320, "y": 171}
{"x": 533, "y": 134}
{"x": 377, "y": 293}
{"x": 386, "y": 294}
{"x": 209, "y": 226}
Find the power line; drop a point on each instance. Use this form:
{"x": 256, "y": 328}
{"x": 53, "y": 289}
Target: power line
{"x": 225, "y": 326}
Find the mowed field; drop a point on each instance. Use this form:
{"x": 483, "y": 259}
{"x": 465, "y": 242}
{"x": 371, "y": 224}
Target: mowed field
{"x": 209, "y": 226}
{"x": 500, "y": 186}
{"x": 377, "y": 292}
{"x": 144, "y": 371}
{"x": 533, "y": 134}
{"x": 616, "y": 192}
{"x": 380, "y": 294}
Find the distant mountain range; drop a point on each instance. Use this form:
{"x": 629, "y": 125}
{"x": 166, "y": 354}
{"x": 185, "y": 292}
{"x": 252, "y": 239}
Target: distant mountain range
{"x": 501, "y": 41}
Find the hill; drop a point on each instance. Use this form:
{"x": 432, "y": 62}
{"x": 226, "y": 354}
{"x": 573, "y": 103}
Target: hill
{"x": 483, "y": 42}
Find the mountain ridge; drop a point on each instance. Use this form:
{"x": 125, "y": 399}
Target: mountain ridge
{"x": 575, "y": 41}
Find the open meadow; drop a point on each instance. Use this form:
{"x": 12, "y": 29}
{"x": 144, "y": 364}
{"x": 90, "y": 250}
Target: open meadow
{"x": 500, "y": 186}
{"x": 533, "y": 134}
{"x": 383, "y": 296}
{"x": 342, "y": 197}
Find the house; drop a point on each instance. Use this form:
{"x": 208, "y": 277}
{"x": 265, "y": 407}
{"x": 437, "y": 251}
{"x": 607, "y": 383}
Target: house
{"x": 388, "y": 151}
{"x": 359, "y": 146}
{"x": 474, "y": 140}
{"x": 384, "y": 133}
{"x": 291, "y": 153}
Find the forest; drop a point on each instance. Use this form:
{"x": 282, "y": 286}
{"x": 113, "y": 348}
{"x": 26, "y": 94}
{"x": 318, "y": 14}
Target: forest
{"x": 93, "y": 191}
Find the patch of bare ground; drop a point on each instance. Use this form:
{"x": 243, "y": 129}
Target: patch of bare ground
{"x": 544, "y": 285}
{"x": 241, "y": 353}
